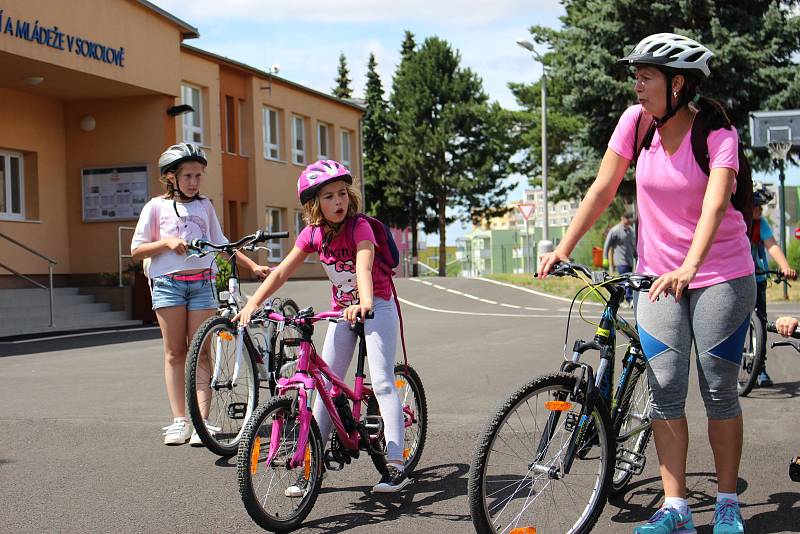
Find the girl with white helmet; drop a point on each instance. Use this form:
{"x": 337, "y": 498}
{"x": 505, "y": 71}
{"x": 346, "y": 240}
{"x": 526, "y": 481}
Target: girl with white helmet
{"x": 692, "y": 237}
{"x": 346, "y": 246}
{"x": 182, "y": 288}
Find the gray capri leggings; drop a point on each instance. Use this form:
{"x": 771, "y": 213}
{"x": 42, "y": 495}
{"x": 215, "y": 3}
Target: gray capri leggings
{"x": 716, "y": 319}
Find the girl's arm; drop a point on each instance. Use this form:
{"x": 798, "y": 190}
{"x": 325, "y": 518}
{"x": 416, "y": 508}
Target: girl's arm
{"x": 597, "y": 199}
{"x": 777, "y": 254}
{"x": 715, "y": 204}
{"x": 274, "y": 281}
{"x": 148, "y": 250}
{"x": 242, "y": 260}
{"x": 365, "y": 255}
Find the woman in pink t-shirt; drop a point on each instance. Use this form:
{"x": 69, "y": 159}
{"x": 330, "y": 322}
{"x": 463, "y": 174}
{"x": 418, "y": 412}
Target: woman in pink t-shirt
{"x": 695, "y": 241}
{"x": 346, "y": 247}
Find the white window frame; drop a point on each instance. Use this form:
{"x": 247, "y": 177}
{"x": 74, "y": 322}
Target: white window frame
{"x": 7, "y": 214}
{"x": 189, "y": 129}
{"x": 345, "y": 154}
{"x": 274, "y": 246}
{"x": 240, "y": 109}
{"x": 298, "y": 154}
{"x": 327, "y": 137}
{"x": 268, "y": 134}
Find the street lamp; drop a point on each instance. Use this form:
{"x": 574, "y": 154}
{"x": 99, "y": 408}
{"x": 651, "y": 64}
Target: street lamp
{"x": 527, "y": 45}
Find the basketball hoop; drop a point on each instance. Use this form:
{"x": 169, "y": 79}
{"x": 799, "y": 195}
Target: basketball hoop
{"x": 779, "y": 142}
{"x": 779, "y": 150}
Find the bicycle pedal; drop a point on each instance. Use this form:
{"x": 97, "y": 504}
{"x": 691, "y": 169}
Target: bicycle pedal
{"x": 331, "y": 462}
{"x": 570, "y": 422}
{"x": 237, "y": 410}
{"x": 630, "y": 461}
{"x": 794, "y": 469}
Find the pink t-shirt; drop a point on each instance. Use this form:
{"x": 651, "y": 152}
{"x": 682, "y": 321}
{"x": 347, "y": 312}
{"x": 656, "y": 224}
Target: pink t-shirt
{"x": 339, "y": 260}
{"x": 669, "y": 195}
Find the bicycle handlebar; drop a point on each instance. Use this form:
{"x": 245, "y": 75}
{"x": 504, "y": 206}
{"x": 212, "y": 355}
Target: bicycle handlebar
{"x": 305, "y": 316}
{"x": 779, "y": 277}
{"x": 637, "y": 282}
{"x": 771, "y": 328}
{"x": 258, "y": 237}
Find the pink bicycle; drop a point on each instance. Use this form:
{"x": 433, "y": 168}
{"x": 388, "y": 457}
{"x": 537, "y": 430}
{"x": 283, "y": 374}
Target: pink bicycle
{"x": 281, "y": 446}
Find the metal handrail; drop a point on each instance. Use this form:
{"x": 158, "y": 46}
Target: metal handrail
{"x": 50, "y": 263}
{"x": 119, "y": 249}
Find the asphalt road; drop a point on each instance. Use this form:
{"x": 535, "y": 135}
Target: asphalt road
{"x": 81, "y": 424}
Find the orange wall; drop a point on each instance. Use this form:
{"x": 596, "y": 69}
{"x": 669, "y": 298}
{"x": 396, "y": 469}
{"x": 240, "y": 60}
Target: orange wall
{"x": 36, "y": 124}
{"x": 129, "y": 131}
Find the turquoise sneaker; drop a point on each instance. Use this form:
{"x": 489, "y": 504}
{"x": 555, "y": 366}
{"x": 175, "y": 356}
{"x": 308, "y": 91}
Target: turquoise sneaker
{"x": 668, "y": 521}
{"x": 728, "y": 518}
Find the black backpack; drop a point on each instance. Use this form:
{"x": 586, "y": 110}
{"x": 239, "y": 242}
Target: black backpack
{"x": 742, "y": 199}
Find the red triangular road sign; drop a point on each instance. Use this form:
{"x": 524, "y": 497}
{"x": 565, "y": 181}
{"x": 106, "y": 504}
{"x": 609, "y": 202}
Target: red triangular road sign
{"x": 527, "y": 210}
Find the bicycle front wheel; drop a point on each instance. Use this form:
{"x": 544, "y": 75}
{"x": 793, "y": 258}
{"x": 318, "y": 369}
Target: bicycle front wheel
{"x": 752, "y": 356}
{"x": 516, "y": 478}
{"x": 276, "y": 496}
{"x": 220, "y": 393}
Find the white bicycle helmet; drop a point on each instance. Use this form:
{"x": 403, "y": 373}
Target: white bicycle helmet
{"x": 180, "y": 153}
{"x": 671, "y": 51}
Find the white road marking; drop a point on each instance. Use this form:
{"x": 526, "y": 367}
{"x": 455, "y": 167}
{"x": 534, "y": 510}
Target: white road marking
{"x": 532, "y": 291}
{"x": 511, "y": 306}
{"x": 481, "y": 314}
{"x": 487, "y": 301}
{"x": 451, "y": 291}
{"x": 535, "y": 309}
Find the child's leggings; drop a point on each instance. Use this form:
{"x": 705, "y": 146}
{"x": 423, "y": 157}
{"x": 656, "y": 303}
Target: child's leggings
{"x": 381, "y": 336}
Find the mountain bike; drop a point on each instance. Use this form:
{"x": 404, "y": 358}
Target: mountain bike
{"x": 755, "y": 345}
{"x": 794, "y": 464}
{"x": 281, "y": 446}
{"x": 228, "y": 363}
{"x": 557, "y": 447}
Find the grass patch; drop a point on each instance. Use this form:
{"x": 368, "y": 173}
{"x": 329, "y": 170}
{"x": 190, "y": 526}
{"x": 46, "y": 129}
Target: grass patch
{"x": 565, "y": 286}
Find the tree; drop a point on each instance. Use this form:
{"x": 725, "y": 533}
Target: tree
{"x": 342, "y": 89}
{"x": 754, "y": 43}
{"x": 375, "y": 129}
{"x": 449, "y": 131}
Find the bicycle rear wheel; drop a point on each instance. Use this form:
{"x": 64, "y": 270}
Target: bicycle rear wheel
{"x": 752, "y": 356}
{"x": 510, "y": 488}
{"x": 415, "y": 417}
{"x": 218, "y": 405}
{"x": 284, "y": 356}
{"x": 264, "y": 486}
{"x": 630, "y": 458}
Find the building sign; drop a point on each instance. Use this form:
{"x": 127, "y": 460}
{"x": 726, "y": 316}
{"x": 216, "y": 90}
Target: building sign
{"x": 114, "y": 193}
{"x": 52, "y": 37}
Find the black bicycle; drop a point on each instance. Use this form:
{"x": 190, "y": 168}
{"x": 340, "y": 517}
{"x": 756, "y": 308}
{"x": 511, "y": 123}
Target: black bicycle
{"x": 228, "y": 364}
{"x": 755, "y": 345}
{"x": 557, "y": 447}
{"x": 794, "y": 464}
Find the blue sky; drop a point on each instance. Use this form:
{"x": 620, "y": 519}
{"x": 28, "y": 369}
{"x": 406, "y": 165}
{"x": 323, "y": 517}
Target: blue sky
{"x": 306, "y": 36}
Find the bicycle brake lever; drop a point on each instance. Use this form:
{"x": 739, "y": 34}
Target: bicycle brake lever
{"x": 792, "y": 344}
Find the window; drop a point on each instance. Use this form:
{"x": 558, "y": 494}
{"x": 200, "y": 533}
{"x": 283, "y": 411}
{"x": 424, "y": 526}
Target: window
{"x": 12, "y": 186}
{"x": 193, "y": 122}
{"x": 345, "y": 148}
{"x": 230, "y": 125}
{"x": 274, "y": 250}
{"x": 271, "y": 134}
{"x": 242, "y": 115}
{"x": 298, "y": 140}
{"x": 323, "y": 141}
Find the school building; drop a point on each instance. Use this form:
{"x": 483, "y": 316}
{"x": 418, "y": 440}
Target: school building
{"x": 92, "y": 91}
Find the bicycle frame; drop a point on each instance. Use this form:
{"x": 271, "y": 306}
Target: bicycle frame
{"x": 605, "y": 342}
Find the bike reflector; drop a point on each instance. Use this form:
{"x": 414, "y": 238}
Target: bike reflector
{"x": 406, "y": 453}
{"x": 555, "y": 406}
{"x": 226, "y": 336}
{"x": 307, "y": 463}
{"x": 254, "y": 455}
{"x": 399, "y": 383}
{"x": 523, "y": 530}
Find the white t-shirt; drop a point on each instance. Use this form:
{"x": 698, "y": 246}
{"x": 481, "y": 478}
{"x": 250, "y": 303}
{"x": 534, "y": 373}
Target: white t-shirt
{"x": 193, "y": 220}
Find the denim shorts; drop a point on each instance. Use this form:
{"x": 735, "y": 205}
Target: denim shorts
{"x": 196, "y": 295}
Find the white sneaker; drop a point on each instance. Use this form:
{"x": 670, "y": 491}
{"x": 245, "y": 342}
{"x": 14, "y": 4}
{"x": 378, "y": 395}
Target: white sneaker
{"x": 178, "y": 432}
{"x": 195, "y": 440}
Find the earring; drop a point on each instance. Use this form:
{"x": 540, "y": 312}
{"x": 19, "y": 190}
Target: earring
{"x": 675, "y": 94}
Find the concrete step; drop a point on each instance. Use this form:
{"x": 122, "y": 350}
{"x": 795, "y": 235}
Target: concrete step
{"x": 60, "y": 312}
{"x": 15, "y": 295}
{"x": 59, "y": 301}
{"x": 65, "y": 328}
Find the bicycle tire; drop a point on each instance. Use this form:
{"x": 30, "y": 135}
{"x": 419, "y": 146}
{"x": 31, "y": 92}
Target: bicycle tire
{"x": 223, "y": 438}
{"x": 561, "y": 384}
{"x": 258, "y": 431}
{"x": 414, "y": 440}
{"x": 752, "y": 356}
{"x": 637, "y": 406}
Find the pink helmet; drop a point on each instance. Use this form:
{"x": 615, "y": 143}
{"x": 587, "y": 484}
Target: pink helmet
{"x": 318, "y": 174}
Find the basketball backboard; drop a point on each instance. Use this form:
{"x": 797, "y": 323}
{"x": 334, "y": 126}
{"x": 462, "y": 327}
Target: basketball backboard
{"x": 775, "y": 127}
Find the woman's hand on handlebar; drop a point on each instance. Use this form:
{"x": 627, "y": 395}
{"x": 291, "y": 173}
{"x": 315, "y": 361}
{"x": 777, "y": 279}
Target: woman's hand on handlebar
{"x": 176, "y": 245}
{"x": 786, "y": 326}
{"x": 789, "y": 273}
{"x": 261, "y": 271}
{"x": 549, "y": 260}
